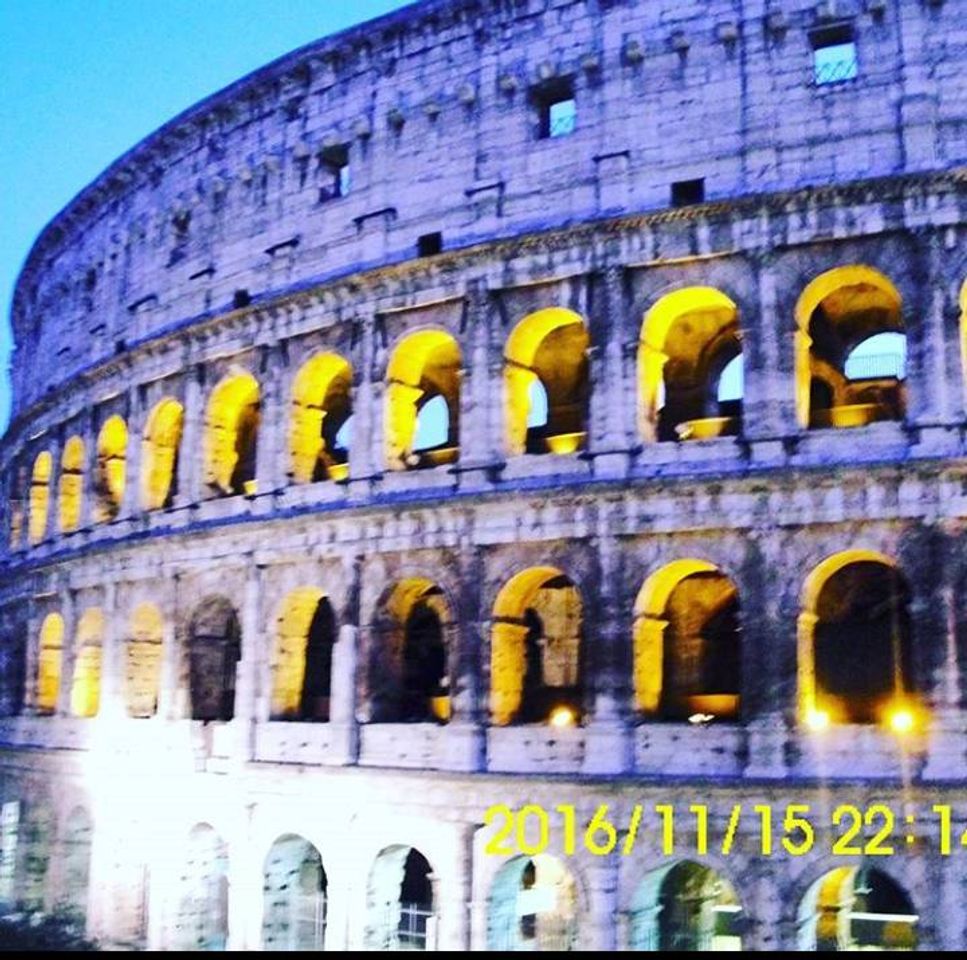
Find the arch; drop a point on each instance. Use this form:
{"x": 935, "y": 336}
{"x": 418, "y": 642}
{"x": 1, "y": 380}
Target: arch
{"x": 321, "y": 405}
{"x": 76, "y": 862}
{"x": 688, "y": 337}
{"x": 409, "y": 679}
{"x": 201, "y": 918}
{"x": 142, "y": 661}
{"x": 536, "y": 649}
{"x": 49, "y": 663}
{"x": 549, "y": 346}
{"x": 86, "y": 685}
{"x": 687, "y": 637}
{"x": 533, "y": 905}
{"x": 231, "y": 434}
{"x": 112, "y": 444}
{"x": 71, "y": 484}
{"x": 857, "y": 908}
{"x": 684, "y": 907}
{"x": 836, "y": 311}
{"x": 214, "y": 649}
{"x": 424, "y": 366}
{"x": 160, "y": 453}
{"x": 295, "y": 887}
{"x": 400, "y": 907}
{"x": 854, "y": 639}
{"x": 305, "y": 633}
{"x": 39, "y": 496}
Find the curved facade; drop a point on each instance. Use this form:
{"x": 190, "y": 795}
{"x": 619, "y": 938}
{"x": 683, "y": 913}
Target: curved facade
{"x": 503, "y": 403}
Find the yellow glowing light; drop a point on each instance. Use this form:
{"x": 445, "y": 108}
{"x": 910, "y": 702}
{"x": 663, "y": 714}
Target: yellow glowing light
{"x": 901, "y": 720}
{"x": 817, "y": 720}
{"x": 701, "y": 718}
{"x": 562, "y": 717}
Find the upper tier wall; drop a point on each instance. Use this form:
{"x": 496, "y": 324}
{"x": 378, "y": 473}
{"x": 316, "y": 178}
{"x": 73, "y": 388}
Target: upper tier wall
{"x": 437, "y": 109}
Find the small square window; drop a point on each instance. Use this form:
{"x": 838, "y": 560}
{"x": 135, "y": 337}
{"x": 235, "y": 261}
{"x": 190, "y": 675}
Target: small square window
{"x": 834, "y": 57}
{"x": 558, "y": 109}
{"x": 335, "y": 174}
{"x": 687, "y": 192}
{"x": 429, "y": 245}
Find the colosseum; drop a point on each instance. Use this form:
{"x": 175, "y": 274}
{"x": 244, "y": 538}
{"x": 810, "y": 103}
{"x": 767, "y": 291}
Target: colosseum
{"x": 494, "y": 478}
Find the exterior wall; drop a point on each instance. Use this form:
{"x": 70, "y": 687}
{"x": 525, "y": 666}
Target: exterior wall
{"x": 791, "y": 196}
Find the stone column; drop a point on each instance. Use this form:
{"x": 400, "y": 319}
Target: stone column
{"x": 342, "y": 704}
{"x": 247, "y": 671}
{"x": 131, "y": 500}
{"x": 31, "y": 657}
{"x": 608, "y": 660}
{"x": 603, "y": 919}
{"x": 611, "y": 419}
{"x": 367, "y": 411}
{"x": 173, "y": 702}
{"x": 479, "y": 444}
{"x": 452, "y": 901}
{"x": 90, "y": 472}
{"x": 192, "y": 453}
{"x": 111, "y": 708}
{"x": 466, "y": 745}
{"x": 52, "y": 527}
{"x": 271, "y": 453}
{"x": 68, "y": 656}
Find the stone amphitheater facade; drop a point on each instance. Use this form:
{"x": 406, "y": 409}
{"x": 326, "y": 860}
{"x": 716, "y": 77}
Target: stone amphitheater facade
{"x": 266, "y": 667}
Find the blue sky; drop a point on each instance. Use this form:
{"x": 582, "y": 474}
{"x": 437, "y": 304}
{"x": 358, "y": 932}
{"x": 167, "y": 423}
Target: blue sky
{"x": 84, "y": 80}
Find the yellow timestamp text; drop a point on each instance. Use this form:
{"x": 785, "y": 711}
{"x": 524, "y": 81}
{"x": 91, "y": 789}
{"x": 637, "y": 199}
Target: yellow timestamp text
{"x": 795, "y": 829}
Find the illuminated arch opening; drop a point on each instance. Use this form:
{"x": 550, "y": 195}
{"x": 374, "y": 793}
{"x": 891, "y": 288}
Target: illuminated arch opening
{"x": 690, "y": 340}
{"x": 49, "y": 663}
{"x": 71, "y": 484}
{"x": 76, "y": 864}
{"x": 548, "y": 347}
{"x": 214, "y": 649}
{"x": 857, "y": 908}
{"x": 201, "y": 917}
{"x": 836, "y": 313}
{"x": 409, "y": 675}
{"x": 160, "y": 449}
{"x": 231, "y": 434}
{"x": 400, "y": 902}
{"x": 142, "y": 661}
{"x": 423, "y": 401}
{"x": 685, "y": 907}
{"x": 112, "y": 444}
{"x": 687, "y": 643}
{"x": 321, "y": 407}
{"x": 295, "y": 887}
{"x": 536, "y": 650}
{"x": 302, "y": 659}
{"x": 533, "y": 906}
{"x": 86, "y": 686}
{"x": 39, "y": 496}
{"x": 854, "y": 640}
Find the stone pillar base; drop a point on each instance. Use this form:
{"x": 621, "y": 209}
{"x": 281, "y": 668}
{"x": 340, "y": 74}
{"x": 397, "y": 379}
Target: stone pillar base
{"x": 344, "y": 743}
{"x": 608, "y": 748}
{"x": 611, "y": 464}
{"x": 946, "y": 749}
{"x": 466, "y": 747}
{"x": 767, "y": 749}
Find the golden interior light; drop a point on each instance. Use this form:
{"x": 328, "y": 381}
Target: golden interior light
{"x": 901, "y": 720}
{"x": 562, "y": 717}
{"x": 817, "y": 720}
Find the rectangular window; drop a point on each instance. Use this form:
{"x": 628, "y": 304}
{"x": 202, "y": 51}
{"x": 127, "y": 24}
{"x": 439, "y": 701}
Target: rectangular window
{"x": 834, "y": 56}
{"x": 335, "y": 173}
{"x": 557, "y": 109}
{"x": 687, "y": 192}
{"x": 429, "y": 245}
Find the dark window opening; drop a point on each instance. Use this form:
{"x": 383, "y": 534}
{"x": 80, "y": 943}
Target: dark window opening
{"x": 557, "y": 109}
{"x": 213, "y": 654}
{"x": 416, "y": 902}
{"x": 335, "y": 171}
{"x": 429, "y": 245}
{"x": 834, "y": 55}
{"x": 242, "y": 298}
{"x": 316, "y": 687}
{"x": 246, "y": 437}
{"x": 424, "y": 666}
{"x": 687, "y": 192}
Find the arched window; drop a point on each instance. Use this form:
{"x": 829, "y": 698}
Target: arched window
{"x": 302, "y": 659}
{"x": 214, "y": 649}
{"x": 399, "y": 902}
{"x": 201, "y": 917}
{"x": 160, "y": 448}
{"x": 854, "y": 641}
{"x": 295, "y": 885}
{"x": 687, "y": 643}
{"x": 49, "y": 663}
{"x": 321, "y": 408}
{"x": 86, "y": 686}
{"x": 857, "y": 908}
{"x": 685, "y": 907}
{"x": 533, "y": 906}
{"x": 536, "y": 671}
{"x": 71, "y": 484}
{"x": 142, "y": 665}
{"x": 409, "y": 678}
{"x": 690, "y": 367}
{"x": 423, "y": 401}
{"x": 112, "y": 444}
{"x": 39, "y": 496}
{"x": 549, "y": 348}
{"x": 231, "y": 434}
{"x": 847, "y": 372}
